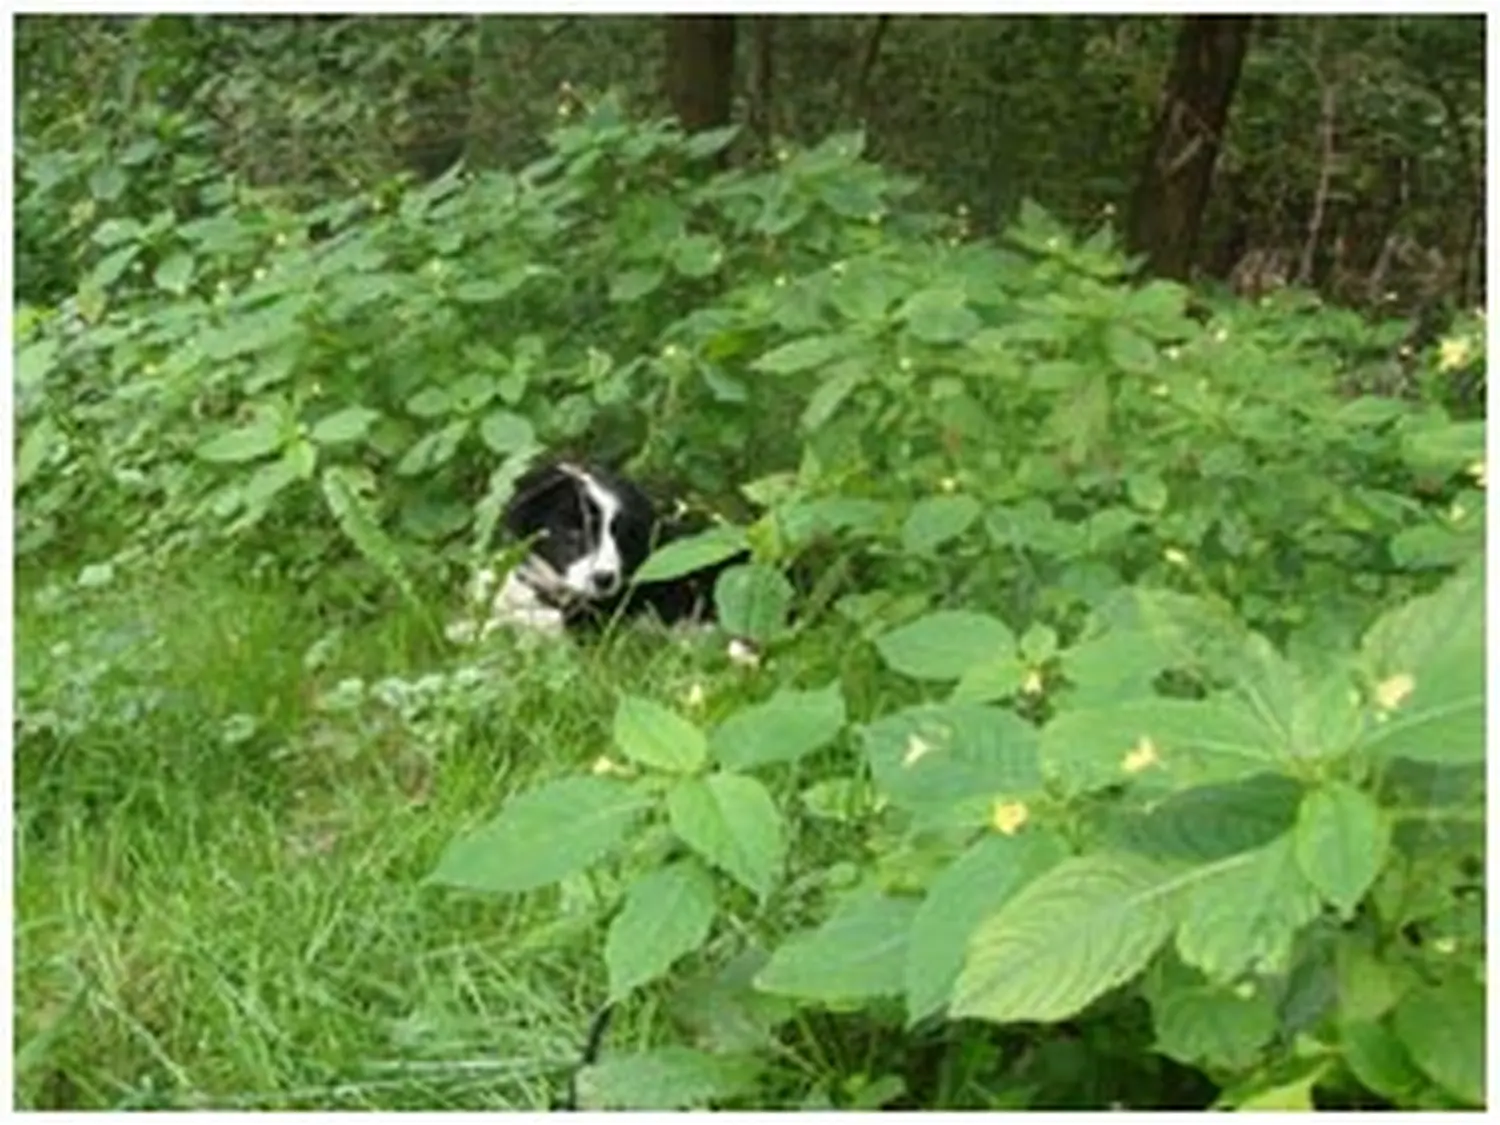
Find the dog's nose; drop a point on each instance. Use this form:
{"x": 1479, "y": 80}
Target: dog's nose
{"x": 605, "y": 581}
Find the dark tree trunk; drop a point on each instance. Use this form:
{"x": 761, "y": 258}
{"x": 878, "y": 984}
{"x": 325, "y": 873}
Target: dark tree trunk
{"x": 762, "y": 119}
{"x": 699, "y": 76}
{"x": 1172, "y": 192}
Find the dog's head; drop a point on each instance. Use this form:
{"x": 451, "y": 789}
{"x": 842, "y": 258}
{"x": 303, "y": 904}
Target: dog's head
{"x": 590, "y": 530}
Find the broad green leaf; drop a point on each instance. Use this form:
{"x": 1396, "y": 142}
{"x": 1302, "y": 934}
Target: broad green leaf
{"x": 971, "y": 889}
{"x": 788, "y": 726}
{"x": 940, "y": 316}
{"x": 697, "y": 255}
{"x": 934, "y": 520}
{"x": 1369, "y": 984}
{"x": 542, "y": 836}
{"x": 1147, "y": 491}
{"x": 991, "y": 681}
{"x": 666, "y": 1078}
{"x": 434, "y": 449}
{"x": 42, "y": 439}
{"x": 1341, "y": 843}
{"x": 1172, "y": 742}
{"x": 486, "y": 291}
{"x": 1445, "y": 448}
{"x": 685, "y": 556}
{"x": 802, "y": 355}
{"x": 430, "y": 402}
{"x": 1077, "y": 931}
{"x": 648, "y": 733}
{"x": 1376, "y": 1056}
{"x": 1131, "y": 352}
{"x": 731, "y": 821}
{"x": 349, "y": 424}
{"x": 1241, "y": 914}
{"x": 709, "y": 142}
{"x": 268, "y": 480}
{"x": 830, "y": 395}
{"x": 723, "y": 1010}
{"x": 1425, "y": 661}
{"x": 633, "y": 284}
{"x": 1296, "y": 1095}
{"x": 1213, "y": 1025}
{"x": 667, "y": 915}
{"x": 112, "y": 266}
{"x": 504, "y": 432}
{"x": 954, "y": 760}
{"x": 1211, "y": 822}
{"x": 858, "y": 953}
{"x": 946, "y": 644}
{"x": 175, "y": 273}
{"x": 34, "y": 360}
{"x": 263, "y": 436}
{"x": 753, "y": 600}
{"x": 1442, "y": 1028}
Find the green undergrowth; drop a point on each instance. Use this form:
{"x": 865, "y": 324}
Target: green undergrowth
{"x": 1115, "y": 738}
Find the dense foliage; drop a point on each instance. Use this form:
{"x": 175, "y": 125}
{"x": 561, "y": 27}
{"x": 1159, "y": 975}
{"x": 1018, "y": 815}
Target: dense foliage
{"x": 1127, "y": 744}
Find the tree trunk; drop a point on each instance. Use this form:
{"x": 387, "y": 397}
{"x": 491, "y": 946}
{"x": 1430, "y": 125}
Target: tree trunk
{"x": 1172, "y": 192}
{"x": 762, "y": 120}
{"x": 699, "y": 77}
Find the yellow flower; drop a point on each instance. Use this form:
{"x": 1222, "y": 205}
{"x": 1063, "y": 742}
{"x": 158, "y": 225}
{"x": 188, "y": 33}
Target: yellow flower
{"x": 1392, "y": 692}
{"x": 1454, "y": 352}
{"x": 1174, "y": 556}
{"x": 1142, "y": 757}
{"x": 1009, "y": 816}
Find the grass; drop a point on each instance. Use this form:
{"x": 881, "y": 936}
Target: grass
{"x": 218, "y": 889}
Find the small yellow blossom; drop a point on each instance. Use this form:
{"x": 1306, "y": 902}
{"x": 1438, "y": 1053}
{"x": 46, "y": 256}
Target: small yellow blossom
{"x": 1142, "y": 757}
{"x": 1175, "y": 556}
{"x": 1392, "y": 692}
{"x": 1032, "y": 684}
{"x": 1476, "y": 470}
{"x": 1009, "y": 816}
{"x": 1454, "y": 353}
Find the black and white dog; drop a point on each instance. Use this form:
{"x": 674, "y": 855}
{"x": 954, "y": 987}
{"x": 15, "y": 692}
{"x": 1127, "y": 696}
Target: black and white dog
{"x": 589, "y": 531}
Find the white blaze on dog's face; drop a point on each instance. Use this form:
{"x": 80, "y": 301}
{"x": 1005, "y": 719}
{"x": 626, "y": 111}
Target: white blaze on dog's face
{"x": 598, "y": 573}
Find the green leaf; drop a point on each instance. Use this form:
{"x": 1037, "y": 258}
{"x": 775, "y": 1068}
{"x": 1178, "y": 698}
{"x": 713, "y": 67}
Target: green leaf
{"x": 267, "y": 481}
{"x": 858, "y": 953}
{"x": 486, "y": 291}
{"x": 939, "y": 316}
{"x": 934, "y": 520}
{"x": 731, "y": 821}
{"x": 830, "y": 395}
{"x": 1147, "y": 491}
{"x": 1128, "y": 350}
{"x": 694, "y": 553}
{"x": 708, "y": 143}
{"x": 667, "y": 915}
{"x": 946, "y": 644}
{"x": 666, "y": 1078}
{"x": 633, "y": 284}
{"x": 1426, "y": 662}
{"x": 1174, "y": 742}
{"x": 967, "y": 892}
{"x": 349, "y": 424}
{"x": 175, "y": 273}
{"x": 788, "y": 726}
{"x": 1444, "y": 448}
{"x": 1211, "y": 822}
{"x": 648, "y": 733}
{"x": 697, "y": 255}
{"x": 504, "y": 432}
{"x": 723, "y": 1010}
{"x": 433, "y": 450}
{"x": 1242, "y": 913}
{"x": 953, "y": 761}
{"x": 265, "y": 435}
{"x": 42, "y": 439}
{"x": 1213, "y": 1025}
{"x": 753, "y": 601}
{"x": 34, "y": 361}
{"x": 430, "y": 402}
{"x": 1341, "y": 843}
{"x": 1377, "y": 1058}
{"x": 802, "y": 355}
{"x": 542, "y": 836}
{"x": 1442, "y": 1028}
{"x": 112, "y": 266}
{"x": 1080, "y": 929}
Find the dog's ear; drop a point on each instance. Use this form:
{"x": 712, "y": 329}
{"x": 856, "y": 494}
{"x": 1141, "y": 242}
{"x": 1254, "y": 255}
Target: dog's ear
{"x": 536, "y": 491}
